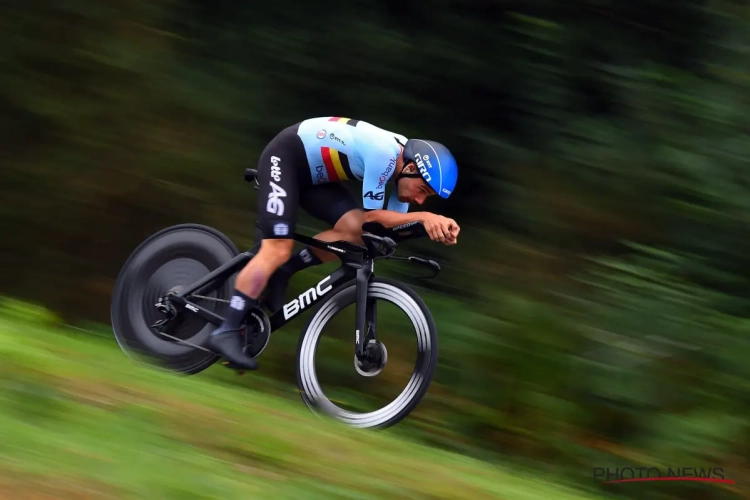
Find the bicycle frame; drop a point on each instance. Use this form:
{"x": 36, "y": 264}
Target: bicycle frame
{"x": 357, "y": 262}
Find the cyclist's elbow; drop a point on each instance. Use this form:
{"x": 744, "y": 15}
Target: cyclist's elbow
{"x": 371, "y": 215}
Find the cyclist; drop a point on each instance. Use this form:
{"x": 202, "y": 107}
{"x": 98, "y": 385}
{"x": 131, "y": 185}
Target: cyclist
{"x": 304, "y": 165}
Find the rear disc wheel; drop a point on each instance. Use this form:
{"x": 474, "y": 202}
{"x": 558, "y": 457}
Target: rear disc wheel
{"x": 170, "y": 261}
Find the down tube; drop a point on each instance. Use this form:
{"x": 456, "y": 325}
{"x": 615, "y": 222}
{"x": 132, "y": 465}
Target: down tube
{"x": 310, "y": 297}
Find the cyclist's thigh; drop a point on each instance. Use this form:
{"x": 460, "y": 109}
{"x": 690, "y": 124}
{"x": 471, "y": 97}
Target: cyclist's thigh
{"x": 278, "y": 176}
{"x": 328, "y": 202}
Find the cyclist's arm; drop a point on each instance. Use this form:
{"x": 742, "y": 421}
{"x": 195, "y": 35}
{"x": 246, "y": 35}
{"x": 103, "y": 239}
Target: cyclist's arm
{"x": 389, "y": 218}
{"x": 379, "y": 161}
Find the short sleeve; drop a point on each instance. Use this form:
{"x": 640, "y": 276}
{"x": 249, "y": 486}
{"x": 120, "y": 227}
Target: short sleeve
{"x": 379, "y": 165}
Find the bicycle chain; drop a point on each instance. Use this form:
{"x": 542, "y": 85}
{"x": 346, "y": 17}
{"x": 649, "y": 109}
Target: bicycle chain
{"x": 209, "y": 298}
{"x": 190, "y": 344}
{"x": 185, "y": 342}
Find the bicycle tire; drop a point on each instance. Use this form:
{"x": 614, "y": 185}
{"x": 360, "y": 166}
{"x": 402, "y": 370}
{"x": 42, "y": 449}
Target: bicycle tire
{"x": 415, "y": 308}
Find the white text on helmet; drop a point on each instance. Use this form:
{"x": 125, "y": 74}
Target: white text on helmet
{"x": 420, "y": 164}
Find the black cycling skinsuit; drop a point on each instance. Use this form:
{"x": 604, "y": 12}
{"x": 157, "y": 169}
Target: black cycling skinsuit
{"x": 305, "y": 163}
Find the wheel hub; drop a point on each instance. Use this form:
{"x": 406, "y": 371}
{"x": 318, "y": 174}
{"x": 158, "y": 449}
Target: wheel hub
{"x": 374, "y": 360}
{"x": 164, "y": 306}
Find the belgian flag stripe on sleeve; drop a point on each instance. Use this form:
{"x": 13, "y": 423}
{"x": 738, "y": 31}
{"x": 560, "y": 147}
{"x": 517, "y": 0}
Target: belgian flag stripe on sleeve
{"x": 344, "y": 162}
{"x": 333, "y": 164}
{"x": 333, "y": 176}
{"x": 348, "y": 121}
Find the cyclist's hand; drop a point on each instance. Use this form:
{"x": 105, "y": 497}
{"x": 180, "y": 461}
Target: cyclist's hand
{"x": 440, "y": 228}
{"x": 454, "y": 229}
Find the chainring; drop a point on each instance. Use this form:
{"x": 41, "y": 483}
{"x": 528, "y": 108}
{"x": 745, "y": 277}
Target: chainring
{"x": 257, "y": 332}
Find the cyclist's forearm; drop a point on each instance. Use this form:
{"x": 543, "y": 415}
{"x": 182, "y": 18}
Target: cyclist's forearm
{"x": 390, "y": 218}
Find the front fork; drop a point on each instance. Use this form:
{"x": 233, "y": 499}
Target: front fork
{"x": 365, "y": 310}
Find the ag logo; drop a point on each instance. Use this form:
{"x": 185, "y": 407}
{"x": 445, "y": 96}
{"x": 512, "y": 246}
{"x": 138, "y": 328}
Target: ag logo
{"x": 374, "y": 196}
{"x": 275, "y": 204}
{"x": 321, "y": 134}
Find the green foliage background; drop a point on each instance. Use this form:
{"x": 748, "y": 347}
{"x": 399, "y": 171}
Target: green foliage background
{"x": 595, "y": 310}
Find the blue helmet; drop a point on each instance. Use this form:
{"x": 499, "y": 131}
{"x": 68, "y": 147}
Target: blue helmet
{"x": 435, "y": 163}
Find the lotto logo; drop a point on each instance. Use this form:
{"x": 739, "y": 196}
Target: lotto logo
{"x": 275, "y": 170}
{"x": 321, "y": 134}
{"x": 280, "y": 229}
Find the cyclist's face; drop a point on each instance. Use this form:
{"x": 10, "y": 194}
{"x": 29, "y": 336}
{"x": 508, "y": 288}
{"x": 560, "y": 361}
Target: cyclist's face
{"x": 413, "y": 190}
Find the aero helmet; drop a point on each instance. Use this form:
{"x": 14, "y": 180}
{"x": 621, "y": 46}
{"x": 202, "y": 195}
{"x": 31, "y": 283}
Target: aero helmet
{"x": 435, "y": 164}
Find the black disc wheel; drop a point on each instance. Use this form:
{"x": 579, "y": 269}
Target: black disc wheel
{"x": 170, "y": 261}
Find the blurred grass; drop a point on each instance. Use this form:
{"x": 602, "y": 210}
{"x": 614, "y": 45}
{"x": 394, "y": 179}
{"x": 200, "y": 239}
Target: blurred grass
{"x": 79, "y": 420}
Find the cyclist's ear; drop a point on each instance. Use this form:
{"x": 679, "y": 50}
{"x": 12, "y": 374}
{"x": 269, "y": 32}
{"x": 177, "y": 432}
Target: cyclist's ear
{"x": 409, "y": 168}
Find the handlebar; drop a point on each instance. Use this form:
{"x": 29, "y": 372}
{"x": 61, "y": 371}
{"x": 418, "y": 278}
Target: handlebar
{"x": 379, "y": 246}
{"x": 402, "y": 232}
{"x": 408, "y": 231}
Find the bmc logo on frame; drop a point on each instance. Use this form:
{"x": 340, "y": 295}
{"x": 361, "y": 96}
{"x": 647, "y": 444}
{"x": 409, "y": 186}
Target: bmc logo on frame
{"x": 306, "y": 298}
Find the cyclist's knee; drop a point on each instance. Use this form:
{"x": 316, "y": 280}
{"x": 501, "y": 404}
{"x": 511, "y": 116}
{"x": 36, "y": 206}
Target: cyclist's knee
{"x": 273, "y": 253}
{"x": 276, "y": 251}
